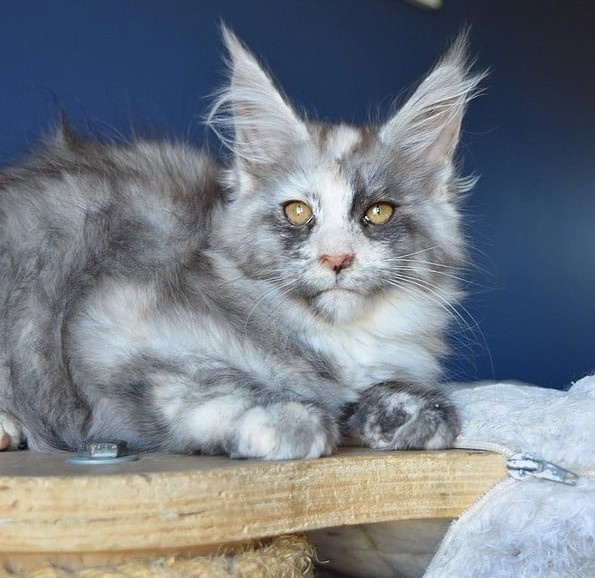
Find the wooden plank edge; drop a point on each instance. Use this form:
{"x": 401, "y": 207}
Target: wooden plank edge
{"x": 236, "y": 502}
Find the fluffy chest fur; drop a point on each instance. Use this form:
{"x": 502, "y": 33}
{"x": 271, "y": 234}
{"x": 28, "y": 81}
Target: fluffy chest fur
{"x": 400, "y": 338}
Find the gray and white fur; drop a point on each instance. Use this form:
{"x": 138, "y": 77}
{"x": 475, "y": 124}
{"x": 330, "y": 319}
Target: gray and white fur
{"x": 150, "y": 295}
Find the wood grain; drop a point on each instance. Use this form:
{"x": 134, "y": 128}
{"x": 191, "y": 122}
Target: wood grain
{"x": 171, "y": 503}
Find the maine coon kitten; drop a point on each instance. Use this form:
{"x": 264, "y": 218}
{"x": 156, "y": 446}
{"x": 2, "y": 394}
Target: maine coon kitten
{"x": 260, "y": 309}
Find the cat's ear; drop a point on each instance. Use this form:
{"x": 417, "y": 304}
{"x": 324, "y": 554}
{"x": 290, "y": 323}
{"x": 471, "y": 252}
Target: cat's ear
{"x": 250, "y": 115}
{"x": 426, "y": 128}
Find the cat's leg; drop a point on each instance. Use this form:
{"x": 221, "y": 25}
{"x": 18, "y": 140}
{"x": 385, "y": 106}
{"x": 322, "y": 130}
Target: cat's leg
{"x": 220, "y": 412}
{"x": 11, "y": 435}
{"x": 244, "y": 425}
{"x": 393, "y": 416}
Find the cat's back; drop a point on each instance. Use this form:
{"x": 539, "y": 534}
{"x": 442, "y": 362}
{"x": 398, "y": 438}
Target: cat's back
{"x": 74, "y": 214}
{"x": 119, "y": 202}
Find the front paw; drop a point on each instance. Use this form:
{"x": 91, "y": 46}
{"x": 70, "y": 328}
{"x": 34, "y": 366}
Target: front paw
{"x": 394, "y": 416}
{"x": 281, "y": 431}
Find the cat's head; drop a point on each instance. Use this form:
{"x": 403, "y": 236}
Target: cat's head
{"x": 335, "y": 215}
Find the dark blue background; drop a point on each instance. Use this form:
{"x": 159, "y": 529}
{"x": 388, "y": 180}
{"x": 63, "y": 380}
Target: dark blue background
{"x": 147, "y": 66}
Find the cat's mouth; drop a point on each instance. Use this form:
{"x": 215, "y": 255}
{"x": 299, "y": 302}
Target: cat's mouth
{"x": 335, "y": 291}
{"x": 338, "y": 304}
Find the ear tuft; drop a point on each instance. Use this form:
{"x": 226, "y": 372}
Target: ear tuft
{"x": 250, "y": 116}
{"x": 427, "y": 126}
{"x": 64, "y": 135}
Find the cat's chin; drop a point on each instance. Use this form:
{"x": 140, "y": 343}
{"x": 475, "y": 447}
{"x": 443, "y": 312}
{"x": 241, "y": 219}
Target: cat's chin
{"x": 338, "y": 305}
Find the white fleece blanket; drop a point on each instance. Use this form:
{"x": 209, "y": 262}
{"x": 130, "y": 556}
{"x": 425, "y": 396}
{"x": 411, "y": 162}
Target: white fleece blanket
{"x": 532, "y": 527}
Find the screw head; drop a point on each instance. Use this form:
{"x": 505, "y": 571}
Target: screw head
{"x": 96, "y": 452}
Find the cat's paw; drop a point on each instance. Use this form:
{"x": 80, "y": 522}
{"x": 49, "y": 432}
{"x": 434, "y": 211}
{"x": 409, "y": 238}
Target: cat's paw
{"x": 283, "y": 430}
{"x": 392, "y": 416}
{"x": 10, "y": 433}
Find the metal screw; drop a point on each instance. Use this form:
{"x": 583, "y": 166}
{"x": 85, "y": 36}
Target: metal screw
{"x": 102, "y": 452}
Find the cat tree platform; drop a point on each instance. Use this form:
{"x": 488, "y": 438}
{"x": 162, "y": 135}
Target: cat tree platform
{"x": 171, "y": 511}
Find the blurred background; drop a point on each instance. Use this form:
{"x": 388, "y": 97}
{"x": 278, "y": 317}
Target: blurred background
{"x": 147, "y": 66}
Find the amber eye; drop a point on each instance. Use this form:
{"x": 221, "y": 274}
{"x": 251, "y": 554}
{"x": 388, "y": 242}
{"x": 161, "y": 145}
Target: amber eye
{"x": 298, "y": 212}
{"x": 378, "y": 213}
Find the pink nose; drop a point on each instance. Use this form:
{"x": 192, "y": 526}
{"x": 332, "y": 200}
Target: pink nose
{"x": 337, "y": 262}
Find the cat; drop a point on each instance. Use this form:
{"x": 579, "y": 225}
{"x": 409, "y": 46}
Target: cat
{"x": 261, "y": 309}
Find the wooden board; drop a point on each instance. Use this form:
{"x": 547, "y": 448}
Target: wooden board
{"x": 169, "y": 503}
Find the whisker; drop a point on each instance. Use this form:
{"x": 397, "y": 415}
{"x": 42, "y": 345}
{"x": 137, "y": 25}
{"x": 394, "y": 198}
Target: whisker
{"x": 443, "y": 273}
{"x": 230, "y": 281}
{"x": 283, "y": 287}
{"x": 422, "y": 262}
{"x": 417, "y": 252}
{"x": 446, "y": 304}
{"x": 463, "y": 268}
{"x": 283, "y": 293}
{"x": 415, "y": 292}
{"x": 243, "y": 277}
{"x": 442, "y": 300}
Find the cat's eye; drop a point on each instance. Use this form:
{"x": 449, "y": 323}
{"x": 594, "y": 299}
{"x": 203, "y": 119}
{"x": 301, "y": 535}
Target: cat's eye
{"x": 298, "y": 212}
{"x": 378, "y": 213}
